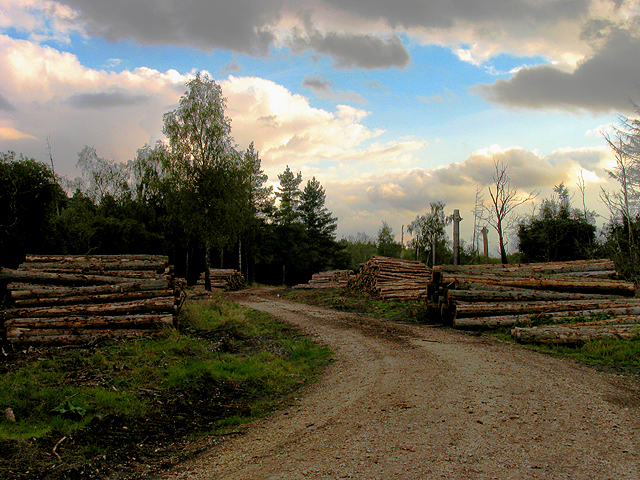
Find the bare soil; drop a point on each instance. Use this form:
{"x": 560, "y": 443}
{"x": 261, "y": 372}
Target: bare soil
{"x": 412, "y": 402}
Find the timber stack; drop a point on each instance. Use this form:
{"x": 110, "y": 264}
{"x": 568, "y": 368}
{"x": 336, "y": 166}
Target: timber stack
{"x": 391, "y": 279}
{"x": 223, "y": 279}
{"x": 328, "y": 279}
{"x": 82, "y": 298}
{"x": 490, "y": 296}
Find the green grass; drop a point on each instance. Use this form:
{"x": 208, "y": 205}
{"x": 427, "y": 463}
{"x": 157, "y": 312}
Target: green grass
{"x": 620, "y": 356}
{"x": 341, "y": 300}
{"x": 220, "y": 349}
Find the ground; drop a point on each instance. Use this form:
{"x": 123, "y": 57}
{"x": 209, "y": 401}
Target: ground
{"x": 405, "y": 401}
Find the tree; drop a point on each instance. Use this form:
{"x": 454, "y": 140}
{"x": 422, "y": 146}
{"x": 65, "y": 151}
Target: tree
{"x": 101, "y": 177}
{"x": 623, "y": 236}
{"x": 557, "y": 232}
{"x": 29, "y": 196}
{"x": 429, "y": 231}
{"x": 320, "y": 226}
{"x": 504, "y": 199}
{"x": 289, "y": 194}
{"x": 360, "y": 249}
{"x": 203, "y": 167}
{"x": 387, "y": 245}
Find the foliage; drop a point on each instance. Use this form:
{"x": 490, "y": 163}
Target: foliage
{"x": 320, "y": 226}
{"x": 429, "y": 234}
{"x": 102, "y": 177}
{"x": 289, "y": 194}
{"x": 30, "y": 197}
{"x": 358, "y": 249}
{"x": 387, "y": 245}
{"x": 621, "y": 245}
{"x": 557, "y": 232}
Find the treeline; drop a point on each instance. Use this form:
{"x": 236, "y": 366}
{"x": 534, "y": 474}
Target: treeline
{"x": 196, "y": 198}
{"x": 205, "y": 204}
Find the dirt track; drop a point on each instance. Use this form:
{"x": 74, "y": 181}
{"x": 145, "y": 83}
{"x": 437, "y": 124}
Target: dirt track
{"x": 418, "y": 402}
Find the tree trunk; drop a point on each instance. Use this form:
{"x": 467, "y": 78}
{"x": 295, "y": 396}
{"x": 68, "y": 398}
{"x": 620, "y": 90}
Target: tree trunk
{"x": 495, "y": 309}
{"x": 207, "y": 265}
{"x": 573, "y": 334}
{"x": 152, "y": 305}
{"x": 27, "y": 291}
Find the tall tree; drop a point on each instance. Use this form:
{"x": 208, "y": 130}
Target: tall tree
{"x": 203, "y": 165}
{"x": 320, "y": 227}
{"x": 289, "y": 194}
{"x": 289, "y": 227}
{"x": 504, "y": 199}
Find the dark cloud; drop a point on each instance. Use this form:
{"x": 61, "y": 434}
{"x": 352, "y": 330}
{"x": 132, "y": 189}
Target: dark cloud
{"x": 5, "y": 105}
{"x": 319, "y": 85}
{"x": 444, "y": 13}
{"x": 602, "y": 83}
{"x": 105, "y": 100}
{"x": 359, "y": 51}
{"x": 236, "y": 25}
{"x": 324, "y": 88}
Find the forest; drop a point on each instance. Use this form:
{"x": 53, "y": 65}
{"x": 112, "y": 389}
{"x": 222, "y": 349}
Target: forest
{"x": 206, "y": 204}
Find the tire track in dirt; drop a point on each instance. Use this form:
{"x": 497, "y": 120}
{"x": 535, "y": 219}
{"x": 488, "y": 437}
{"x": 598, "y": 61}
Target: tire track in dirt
{"x": 413, "y": 402}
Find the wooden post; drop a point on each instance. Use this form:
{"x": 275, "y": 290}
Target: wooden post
{"x": 456, "y": 237}
{"x": 485, "y": 241}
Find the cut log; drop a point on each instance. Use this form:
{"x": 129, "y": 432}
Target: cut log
{"x": 613, "y": 287}
{"x": 495, "y": 309}
{"x": 38, "y": 277}
{"x": 539, "y": 268}
{"x": 507, "y": 295}
{"x": 152, "y": 305}
{"x": 95, "y": 299}
{"x": 88, "y": 323}
{"x": 524, "y": 320}
{"x": 85, "y": 335}
{"x": 21, "y": 291}
{"x": 93, "y": 258}
{"x": 574, "y": 334}
{"x": 156, "y": 265}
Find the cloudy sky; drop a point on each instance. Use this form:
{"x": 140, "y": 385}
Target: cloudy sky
{"x": 392, "y": 105}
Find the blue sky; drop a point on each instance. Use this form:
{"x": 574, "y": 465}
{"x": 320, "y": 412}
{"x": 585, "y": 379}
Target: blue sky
{"x": 391, "y": 105}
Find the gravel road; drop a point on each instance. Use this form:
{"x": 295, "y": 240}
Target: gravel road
{"x": 421, "y": 402}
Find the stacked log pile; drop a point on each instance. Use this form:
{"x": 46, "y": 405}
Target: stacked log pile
{"x": 223, "y": 279}
{"x": 488, "y": 296}
{"x": 329, "y": 279}
{"x": 391, "y": 279}
{"x": 72, "y": 299}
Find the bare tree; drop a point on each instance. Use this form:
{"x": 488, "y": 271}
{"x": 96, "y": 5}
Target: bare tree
{"x": 478, "y": 219}
{"x": 504, "y": 199}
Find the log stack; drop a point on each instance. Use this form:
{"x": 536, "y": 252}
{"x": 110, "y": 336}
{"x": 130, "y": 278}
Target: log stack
{"x": 72, "y": 299}
{"x": 328, "y": 279}
{"x": 487, "y": 296}
{"x": 391, "y": 279}
{"x": 223, "y": 279}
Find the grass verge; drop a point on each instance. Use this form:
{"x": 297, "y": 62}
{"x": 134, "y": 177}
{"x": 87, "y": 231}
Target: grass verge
{"x": 412, "y": 312}
{"x": 118, "y": 406}
{"x": 618, "y": 356}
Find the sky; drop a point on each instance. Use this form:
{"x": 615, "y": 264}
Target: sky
{"x": 391, "y": 105}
